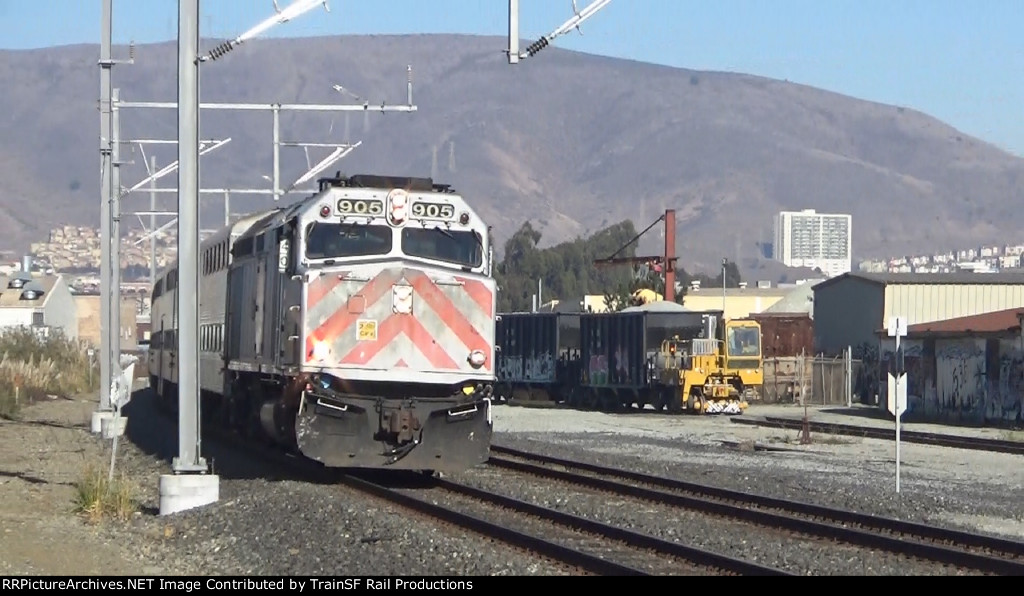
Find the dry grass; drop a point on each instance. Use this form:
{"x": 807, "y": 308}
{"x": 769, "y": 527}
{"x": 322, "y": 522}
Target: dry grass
{"x": 32, "y": 367}
{"x": 98, "y": 497}
{"x": 816, "y": 438}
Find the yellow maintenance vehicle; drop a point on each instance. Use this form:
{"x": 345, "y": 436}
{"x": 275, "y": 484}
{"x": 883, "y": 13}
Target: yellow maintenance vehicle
{"x": 718, "y": 373}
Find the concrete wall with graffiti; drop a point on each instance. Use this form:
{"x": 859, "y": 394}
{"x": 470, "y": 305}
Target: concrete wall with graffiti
{"x": 967, "y": 380}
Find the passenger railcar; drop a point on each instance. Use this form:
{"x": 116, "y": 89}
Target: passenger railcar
{"x": 356, "y": 326}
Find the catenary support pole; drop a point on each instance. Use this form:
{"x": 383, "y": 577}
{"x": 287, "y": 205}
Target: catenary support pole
{"x": 115, "y": 235}
{"x": 107, "y": 361}
{"x": 190, "y": 486}
{"x": 152, "y": 227}
{"x": 277, "y": 152}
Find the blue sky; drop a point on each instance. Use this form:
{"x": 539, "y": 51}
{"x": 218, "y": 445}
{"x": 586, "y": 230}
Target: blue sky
{"x": 960, "y": 61}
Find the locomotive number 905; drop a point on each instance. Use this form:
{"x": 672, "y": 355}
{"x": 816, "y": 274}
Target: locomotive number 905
{"x": 433, "y": 210}
{"x": 360, "y": 207}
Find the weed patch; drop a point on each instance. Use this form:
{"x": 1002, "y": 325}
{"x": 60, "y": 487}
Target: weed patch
{"x": 33, "y": 366}
{"x": 98, "y": 498}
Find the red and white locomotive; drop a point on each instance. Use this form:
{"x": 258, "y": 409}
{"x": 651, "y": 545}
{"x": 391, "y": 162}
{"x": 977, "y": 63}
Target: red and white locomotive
{"x": 356, "y": 325}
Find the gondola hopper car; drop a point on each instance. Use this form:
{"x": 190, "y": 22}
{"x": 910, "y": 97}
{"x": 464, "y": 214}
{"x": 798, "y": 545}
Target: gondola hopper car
{"x": 673, "y": 360}
{"x": 355, "y": 326}
{"x": 538, "y": 359}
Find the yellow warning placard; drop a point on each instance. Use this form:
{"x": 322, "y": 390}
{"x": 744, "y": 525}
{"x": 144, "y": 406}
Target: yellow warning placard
{"x": 366, "y": 330}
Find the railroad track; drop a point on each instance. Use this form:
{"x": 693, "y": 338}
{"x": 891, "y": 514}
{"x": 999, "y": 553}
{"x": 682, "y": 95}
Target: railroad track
{"x": 943, "y": 440}
{"x": 951, "y": 547}
{"x": 592, "y": 546}
{"x": 585, "y": 545}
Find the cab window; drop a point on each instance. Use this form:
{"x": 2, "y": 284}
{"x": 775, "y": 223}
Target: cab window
{"x": 340, "y": 240}
{"x": 451, "y": 246}
{"x": 744, "y": 341}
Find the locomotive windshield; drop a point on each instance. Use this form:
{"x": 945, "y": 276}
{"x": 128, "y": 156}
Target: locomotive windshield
{"x": 339, "y": 240}
{"x": 452, "y": 246}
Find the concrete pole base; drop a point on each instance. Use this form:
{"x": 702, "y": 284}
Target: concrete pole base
{"x": 180, "y": 492}
{"x": 111, "y": 427}
{"x": 97, "y": 420}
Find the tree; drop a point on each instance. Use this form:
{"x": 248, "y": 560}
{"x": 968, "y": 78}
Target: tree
{"x": 567, "y": 270}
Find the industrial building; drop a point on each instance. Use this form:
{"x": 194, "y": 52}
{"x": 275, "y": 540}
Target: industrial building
{"x": 822, "y": 241}
{"x": 738, "y": 303}
{"x": 42, "y": 302}
{"x": 967, "y": 370}
{"x": 87, "y": 308}
{"x": 849, "y": 309}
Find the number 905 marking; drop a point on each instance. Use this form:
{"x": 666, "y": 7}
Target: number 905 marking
{"x": 361, "y": 207}
{"x": 433, "y": 211}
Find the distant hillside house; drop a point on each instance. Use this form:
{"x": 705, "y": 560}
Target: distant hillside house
{"x": 43, "y": 302}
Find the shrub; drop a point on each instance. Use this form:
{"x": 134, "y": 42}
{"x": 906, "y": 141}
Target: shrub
{"x": 98, "y": 497}
{"x": 33, "y": 366}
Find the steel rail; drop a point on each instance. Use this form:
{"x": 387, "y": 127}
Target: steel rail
{"x": 712, "y": 500}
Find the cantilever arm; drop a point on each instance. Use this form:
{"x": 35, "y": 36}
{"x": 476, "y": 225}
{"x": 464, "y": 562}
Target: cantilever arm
{"x": 573, "y": 23}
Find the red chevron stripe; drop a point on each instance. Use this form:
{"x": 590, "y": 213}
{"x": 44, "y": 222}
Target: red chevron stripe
{"x": 321, "y": 287}
{"x": 480, "y": 293}
{"x": 389, "y": 330}
{"x": 449, "y": 313}
{"x": 341, "y": 320}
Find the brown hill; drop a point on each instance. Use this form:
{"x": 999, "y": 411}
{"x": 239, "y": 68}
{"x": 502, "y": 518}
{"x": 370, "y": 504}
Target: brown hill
{"x": 572, "y": 141}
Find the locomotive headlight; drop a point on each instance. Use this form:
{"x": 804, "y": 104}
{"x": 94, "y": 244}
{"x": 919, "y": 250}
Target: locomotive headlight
{"x": 401, "y": 299}
{"x": 397, "y": 214}
{"x": 399, "y": 202}
{"x": 321, "y": 350}
{"x": 477, "y": 358}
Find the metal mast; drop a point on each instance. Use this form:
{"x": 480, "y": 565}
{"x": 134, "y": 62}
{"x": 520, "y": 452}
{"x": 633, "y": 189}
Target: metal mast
{"x": 107, "y": 357}
{"x": 188, "y": 459}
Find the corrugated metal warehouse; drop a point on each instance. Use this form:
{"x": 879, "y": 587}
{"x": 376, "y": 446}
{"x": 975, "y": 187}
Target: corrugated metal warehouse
{"x": 850, "y": 308}
{"x": 965, "y": 370}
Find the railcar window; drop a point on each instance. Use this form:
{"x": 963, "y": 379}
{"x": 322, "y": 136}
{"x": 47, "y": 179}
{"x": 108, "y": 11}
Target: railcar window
{"x": 744, "y": 341}
{"x": 332, "y": 241}
{"x": 459, "y": 247}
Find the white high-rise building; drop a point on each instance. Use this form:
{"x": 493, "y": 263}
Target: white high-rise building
{"x": 815, "y": 240}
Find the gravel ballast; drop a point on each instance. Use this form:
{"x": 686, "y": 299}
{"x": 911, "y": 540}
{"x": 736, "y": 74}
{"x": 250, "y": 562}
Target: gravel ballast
{"x": 270, "y": 522}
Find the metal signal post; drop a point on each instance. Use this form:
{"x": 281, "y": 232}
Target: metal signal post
{"x": 897, "y": 393}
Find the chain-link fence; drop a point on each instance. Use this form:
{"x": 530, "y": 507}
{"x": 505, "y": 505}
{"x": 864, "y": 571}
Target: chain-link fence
{"x": 814, "y": 380}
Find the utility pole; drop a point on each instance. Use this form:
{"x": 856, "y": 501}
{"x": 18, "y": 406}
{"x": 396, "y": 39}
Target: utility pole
{"x": 724, "y": 261}
{"x": 670, "y": 255}
{"x": 190, "y": 485}
{"x": 110, "y": 260}
{"x": 152, "y": 223}
{"x": 115, "y": 233}
{"x": 107, "y": 359}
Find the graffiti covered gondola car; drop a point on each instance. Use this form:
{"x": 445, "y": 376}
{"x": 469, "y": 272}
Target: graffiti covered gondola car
{"x": 538, "y": 357}
{"x": 618, "y": 351}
